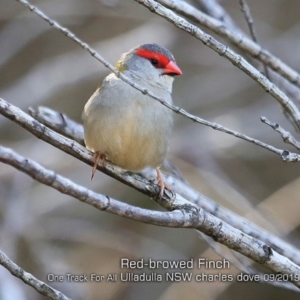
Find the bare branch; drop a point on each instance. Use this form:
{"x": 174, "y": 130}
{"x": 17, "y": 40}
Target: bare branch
{"x": 247, "y": 14}
{"x": 225, "y": 51}
{"x": 233, "y": 34}
{"x": 59, "y": 122}
{"x": 214, "y": 9}
{"x": 73, "y": 148}
{"x": 233, "y": 219}
{"x": 45, "y": 115}
{"x": 185, "y": 214}
{"x": 286, "y": 136}
{"x": 208, "y": 40}
{"x": 249, "y": 19}
{"x": 101, "y": 202}
{"x": 190, "y": 216}
{"x": 243, "y": 264}
{"x": 27, "y": 278}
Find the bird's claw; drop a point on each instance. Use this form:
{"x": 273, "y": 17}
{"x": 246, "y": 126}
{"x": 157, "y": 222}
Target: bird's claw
{"x": 160, "y": 182}
{"x": 97, "y": 157}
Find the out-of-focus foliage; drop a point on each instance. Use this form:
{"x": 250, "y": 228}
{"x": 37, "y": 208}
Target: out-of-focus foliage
{"x": 49, "y": 233}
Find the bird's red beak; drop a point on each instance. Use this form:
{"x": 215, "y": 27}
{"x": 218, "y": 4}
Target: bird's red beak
{"x": 172, "y": 69}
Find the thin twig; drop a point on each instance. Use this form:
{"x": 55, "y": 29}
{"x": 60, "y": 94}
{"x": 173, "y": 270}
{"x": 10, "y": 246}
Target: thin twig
{"x": 286, "y": 136}
{"x": 247, "y": 14}
{"x": 11, "y": 112}
{"x": 62, "y": 124}
{"x": 208, "y": 40}
{"x": 27, "y": 278}
{"x": 214, "y": 9}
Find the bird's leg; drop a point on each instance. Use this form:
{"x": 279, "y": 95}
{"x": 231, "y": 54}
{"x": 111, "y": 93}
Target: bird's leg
{"x": 97, "y": 156}
{"x": 160, "y": 182}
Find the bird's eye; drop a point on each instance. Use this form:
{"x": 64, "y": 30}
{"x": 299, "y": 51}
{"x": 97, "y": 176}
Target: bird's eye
{"x": 154, "y": 61}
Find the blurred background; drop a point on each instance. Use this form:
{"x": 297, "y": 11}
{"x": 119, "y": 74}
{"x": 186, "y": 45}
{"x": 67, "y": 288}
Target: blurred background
{"x": 46, "y": 232}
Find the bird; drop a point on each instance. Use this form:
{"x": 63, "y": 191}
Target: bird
{"x": 126, "y": 127}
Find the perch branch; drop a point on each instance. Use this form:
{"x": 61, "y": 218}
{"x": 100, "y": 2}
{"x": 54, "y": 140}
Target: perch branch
{"x": 248, "y": 17}
{"x": 48, "y": 177}
{"x": 65, "y": 125}
{"x": 184, "y": 213}
{"x": 189, "y": 216}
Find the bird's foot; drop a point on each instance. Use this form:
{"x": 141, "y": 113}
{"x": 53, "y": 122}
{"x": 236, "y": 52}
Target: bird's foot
{"x": 160, "y": 182}
{"x": 97, "y": 157}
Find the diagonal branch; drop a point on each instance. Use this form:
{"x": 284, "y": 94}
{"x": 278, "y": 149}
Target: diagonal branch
{"x": 101, "y": 202}
{"x": 221, "y": 23}
{"x": 228, "y": 53}
{"x": 27, "y": 278}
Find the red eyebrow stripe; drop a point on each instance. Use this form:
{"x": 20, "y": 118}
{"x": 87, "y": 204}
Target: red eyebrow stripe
{"x": 162, "y": 59}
